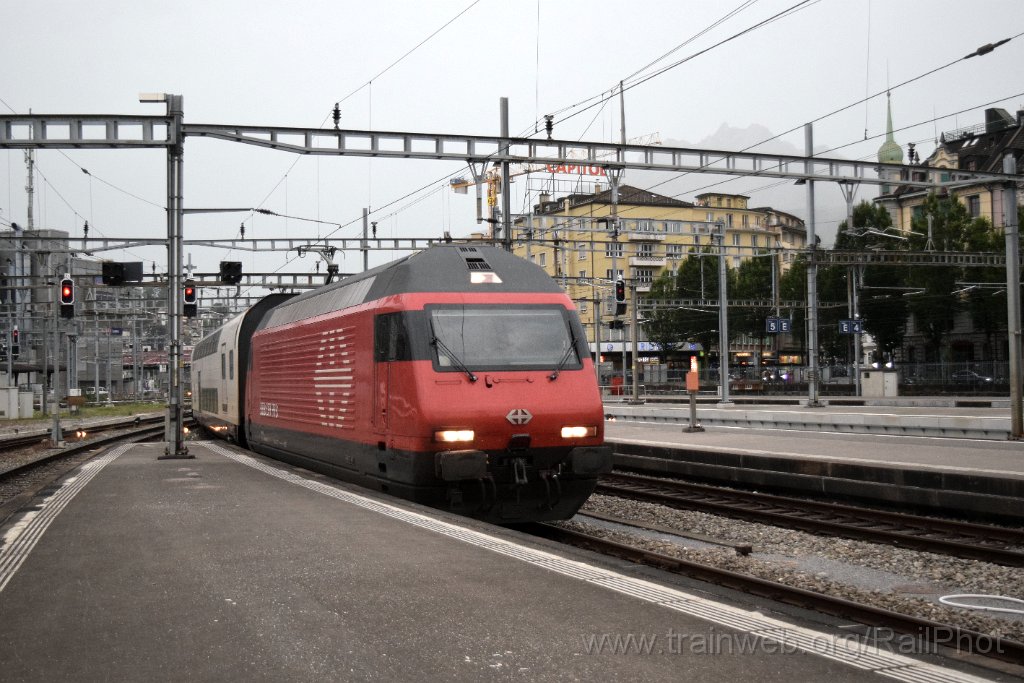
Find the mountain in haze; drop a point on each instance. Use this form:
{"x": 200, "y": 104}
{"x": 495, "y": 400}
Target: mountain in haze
{"x": 830, "y": 207}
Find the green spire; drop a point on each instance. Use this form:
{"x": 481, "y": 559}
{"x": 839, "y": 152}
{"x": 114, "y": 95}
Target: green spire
{"x": 890, "y": 152}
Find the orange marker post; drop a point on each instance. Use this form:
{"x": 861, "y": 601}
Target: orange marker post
{"x": 692, "y": 387}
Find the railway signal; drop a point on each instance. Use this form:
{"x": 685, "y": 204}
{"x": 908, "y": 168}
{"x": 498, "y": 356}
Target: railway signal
{"x": 620, "y": 296}
{"x": 191, "y": 302}
{"x": 67, "y": 298}
{"x": 15, "y": 346}
{"x": 231, "y": 272}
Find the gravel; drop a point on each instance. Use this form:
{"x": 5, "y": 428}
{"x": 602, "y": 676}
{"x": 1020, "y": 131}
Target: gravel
{"x": 897, "y": 579}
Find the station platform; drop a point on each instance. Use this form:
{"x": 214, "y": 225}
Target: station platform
{"x": 949, "y": 417}
{"x": 230, "y": 567}
{"x": 977, "y": 478}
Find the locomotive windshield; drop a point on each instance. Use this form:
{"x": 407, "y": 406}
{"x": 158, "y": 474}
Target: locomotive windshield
{"x": 504, "y": 338}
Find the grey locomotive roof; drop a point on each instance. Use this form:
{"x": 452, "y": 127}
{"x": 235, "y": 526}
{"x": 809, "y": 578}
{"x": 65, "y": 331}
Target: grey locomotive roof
{"x": 441, "y": 268}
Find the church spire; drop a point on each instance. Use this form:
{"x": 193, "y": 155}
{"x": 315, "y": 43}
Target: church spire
{"x": 890, "y": 152}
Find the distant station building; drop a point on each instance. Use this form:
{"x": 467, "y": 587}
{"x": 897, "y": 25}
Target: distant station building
{"x": 980, "y": 147}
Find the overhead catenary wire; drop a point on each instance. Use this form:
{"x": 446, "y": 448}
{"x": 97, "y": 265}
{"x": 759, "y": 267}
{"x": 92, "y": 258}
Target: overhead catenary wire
{"x": 367, "y": 84}
{"x": 589, "y": 103}
{"x": 985, "y": 49}
{"x": 409, "y": 52}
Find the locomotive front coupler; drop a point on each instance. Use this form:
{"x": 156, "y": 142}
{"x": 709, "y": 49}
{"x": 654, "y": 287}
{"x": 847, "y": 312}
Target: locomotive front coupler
{"x": 519, "y": 470}
{"x": 548, "y": 476}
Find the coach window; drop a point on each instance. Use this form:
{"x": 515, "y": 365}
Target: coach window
{"x": 231, "y": 364}
{"x": 223, "y": 367}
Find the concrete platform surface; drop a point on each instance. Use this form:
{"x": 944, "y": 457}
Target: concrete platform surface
{"x": 968, "y": 456}
{"x": 231, "y": 567}
{"x": 950, "y": 421}
{"x": 979, "y": 479}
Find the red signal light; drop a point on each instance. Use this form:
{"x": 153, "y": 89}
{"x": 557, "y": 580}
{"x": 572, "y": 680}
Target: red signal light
{"x": 191, "y": 307}
{"x": 67, "y": 298}
{"x": 67, "y": 292}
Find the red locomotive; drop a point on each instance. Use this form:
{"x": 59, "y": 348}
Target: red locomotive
{"x": 458, "y": 377}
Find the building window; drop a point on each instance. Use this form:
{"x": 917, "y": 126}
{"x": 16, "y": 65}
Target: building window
{"x": 673, "y": 226}
{"x": 582, "y": 305}
{"x": 645, "y": 226}
{"x": 696, "y": 241}
{"x": 746, "y": 220}
{"x": 974, "y": 205}
{"x": 613, "y": 274}
{"x": 581, "y": 251}
{"x": 613, "y": 249}
{"x": 735, "y": 239}
{"x": 543, "y": 261}
{"x": 644, "y": 276}
{"x": 753, "y": 240}
{"x": 674, "y": 250}
{"x": 710, "y": 218}
{"x": 645, "y": 250}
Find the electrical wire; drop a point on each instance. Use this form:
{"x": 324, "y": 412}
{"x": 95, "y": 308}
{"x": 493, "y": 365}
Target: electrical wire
{"x": 586, "y": 104}
{"x": 368, "y": 83}
{"x": 402, "y": 58}
{"x": 712, "y": 26}
{"x": 839, "y": 147}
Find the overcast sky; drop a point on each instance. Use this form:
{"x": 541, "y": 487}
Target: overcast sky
{"x": 442, "y": 67}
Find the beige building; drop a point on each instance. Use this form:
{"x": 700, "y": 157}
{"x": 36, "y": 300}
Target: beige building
{"x": 975, "y": 148}
{"x": 574, "y": 239}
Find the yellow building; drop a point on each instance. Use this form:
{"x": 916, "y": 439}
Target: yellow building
{"x": 574, "y": 239}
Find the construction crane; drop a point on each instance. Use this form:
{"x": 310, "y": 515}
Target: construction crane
{"x": 461, "y": 184}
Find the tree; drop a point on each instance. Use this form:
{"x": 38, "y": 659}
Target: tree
{"x": 986, "y": 295}
{"x": 697, "y": 278}
{"x": 669, "y": 325}
{"x": 883, "y": 306}
{"x": 753, "y": 281}
{"x": 662, "y": 323}
{"x": 935, "y": 309}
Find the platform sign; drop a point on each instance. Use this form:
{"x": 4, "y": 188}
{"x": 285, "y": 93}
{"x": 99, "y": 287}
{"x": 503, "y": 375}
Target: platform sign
{"x": 854, "y": 326}
{"x": 774, "y": 325}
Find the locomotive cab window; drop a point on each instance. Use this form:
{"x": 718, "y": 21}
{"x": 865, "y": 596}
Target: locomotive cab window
{"x": 487, "y": 337}
{"x": 391, "y": 338}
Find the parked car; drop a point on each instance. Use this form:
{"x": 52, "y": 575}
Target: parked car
{"x": 90, "y": 393}
{"x": 969, "y": 377}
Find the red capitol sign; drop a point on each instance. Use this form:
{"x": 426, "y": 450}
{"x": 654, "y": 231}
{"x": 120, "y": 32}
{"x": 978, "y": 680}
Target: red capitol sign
{"x": 576, "y": 169}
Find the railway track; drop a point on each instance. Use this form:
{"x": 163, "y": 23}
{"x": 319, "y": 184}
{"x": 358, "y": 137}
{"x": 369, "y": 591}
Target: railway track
{"x": 138, "y": 426}
{"x": 981, "y": 542}
{"x": 24, "y": 472}
{"x": 934, "y": 633}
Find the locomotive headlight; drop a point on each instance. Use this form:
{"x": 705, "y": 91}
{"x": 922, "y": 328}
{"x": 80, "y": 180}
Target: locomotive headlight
{"x": 454, "y": 435}
{"x": 578, "y": 432}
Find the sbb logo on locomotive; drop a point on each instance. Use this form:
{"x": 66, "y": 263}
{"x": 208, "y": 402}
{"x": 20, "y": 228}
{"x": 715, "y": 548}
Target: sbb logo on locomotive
{"x": 268, "y": 409}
